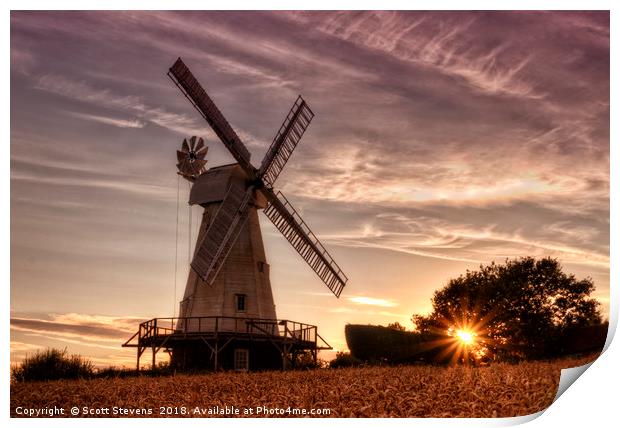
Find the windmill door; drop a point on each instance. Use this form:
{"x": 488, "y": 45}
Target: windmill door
{"x": 242, "y": 360}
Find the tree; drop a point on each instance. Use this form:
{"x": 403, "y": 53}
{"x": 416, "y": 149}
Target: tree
{"x": 519, "y": 309}
{"x": 397, "y": 326}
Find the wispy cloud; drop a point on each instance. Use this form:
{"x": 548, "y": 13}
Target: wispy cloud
{"x": 17, "y": 346}
{"x": 22, "y": 61}
{"x": 372, "y": 301}
{"x": 79, "y": 326}
{"x": 73, "y": 331}
{"x": 119, "y": 123}
{"x": 442, "y": 43}
{"x": 369, "y": 311}
{"x": 105, "y": 98}
{"x": 119, "y": 185}
{"x": 472, "y": 242}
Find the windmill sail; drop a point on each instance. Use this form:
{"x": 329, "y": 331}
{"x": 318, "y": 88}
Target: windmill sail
{"x": 191, "y": 88}
{"x": 222, "y": 233}
{"x": 233, "y": 212}
{"x": 296, "y": 231}
{"x": 285, "y": 141}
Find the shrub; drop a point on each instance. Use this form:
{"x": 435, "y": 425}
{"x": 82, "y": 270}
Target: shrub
{"x": 344, "y": 359}
{"x": 305, "y": 361}
{"x": 52, "y": 364}
{"x": 111, "y": 372}
{"x": 396, "y": 326}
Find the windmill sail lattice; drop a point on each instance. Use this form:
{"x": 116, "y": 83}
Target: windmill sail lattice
{"x": 285, "y": 141}
{"x": 296, "y": 231}
{"x": 232, "y": 214}
{"x": 185, "y": 80}
{"x": 221, "y": 235}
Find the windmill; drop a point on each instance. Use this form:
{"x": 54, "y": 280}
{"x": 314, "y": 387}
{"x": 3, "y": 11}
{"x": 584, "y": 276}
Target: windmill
{"x": 228, "y": 303}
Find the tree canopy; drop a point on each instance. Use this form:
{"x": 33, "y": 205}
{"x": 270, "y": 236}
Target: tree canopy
{"x": 519, "y": 309}
{"x": 396, "y": 326}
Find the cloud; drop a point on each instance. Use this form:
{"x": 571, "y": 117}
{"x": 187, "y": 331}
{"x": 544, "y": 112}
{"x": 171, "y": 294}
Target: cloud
{"x": 265, "y": 76}
{"x": 368, "y": 312}
{"x": 444, "y": 44}
{"x": 116, "y": 184}
{"x": 92, "y": 336}
{"x": 22, "y": 61}
{"x": 67, "y": 339}
{"x": 105, "y": 98}
{"x": 72, "y": 326}
{"x": 17, "y": 346}
{"x": 372, "y": 301}
{"x": 420, "y": 233}
{"x": 119, "y": 123}
{"x": 19, "y": 350}
{"x": 94, "y": 333}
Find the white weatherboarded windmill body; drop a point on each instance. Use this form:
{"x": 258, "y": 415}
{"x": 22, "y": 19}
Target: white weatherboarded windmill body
{"x": 227, "y": 318}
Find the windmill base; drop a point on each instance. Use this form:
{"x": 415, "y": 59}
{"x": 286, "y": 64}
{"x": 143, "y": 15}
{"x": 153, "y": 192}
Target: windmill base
{"x": 233, "y": 353}
{"x": 227, "y": 343}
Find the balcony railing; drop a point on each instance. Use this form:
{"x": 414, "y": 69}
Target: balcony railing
{"x": 184, "y": 326}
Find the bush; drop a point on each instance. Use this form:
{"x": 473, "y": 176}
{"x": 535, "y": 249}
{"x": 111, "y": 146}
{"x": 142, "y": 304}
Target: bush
{"x": 582, "y": 339}
{"x": 305, "y": 361}
{"x": 52, "y": 364}
{"x": 163, "y": 368}
{"x": 112, "y": 372}
{"x": 344, "y": 359}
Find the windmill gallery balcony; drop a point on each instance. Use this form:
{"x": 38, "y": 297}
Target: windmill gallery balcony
{"x": 236, "y": 343}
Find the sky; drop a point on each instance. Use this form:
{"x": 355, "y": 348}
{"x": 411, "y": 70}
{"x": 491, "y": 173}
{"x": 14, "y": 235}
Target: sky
{"x": 441, "y": 141}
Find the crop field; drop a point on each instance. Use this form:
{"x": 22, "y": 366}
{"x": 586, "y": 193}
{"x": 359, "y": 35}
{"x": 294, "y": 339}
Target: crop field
{"x": 499, "y": 390}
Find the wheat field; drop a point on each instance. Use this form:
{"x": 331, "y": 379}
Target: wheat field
{"x": 499, "y": 390}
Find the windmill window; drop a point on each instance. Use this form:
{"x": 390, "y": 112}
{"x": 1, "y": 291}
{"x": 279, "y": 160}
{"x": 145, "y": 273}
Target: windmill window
{"x": 242, "y": 361}
{"x": 263, "y": 267}
{"x": 240, "y": 302}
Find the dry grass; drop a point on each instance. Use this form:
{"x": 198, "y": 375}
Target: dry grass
{"x": 412, "y": 391}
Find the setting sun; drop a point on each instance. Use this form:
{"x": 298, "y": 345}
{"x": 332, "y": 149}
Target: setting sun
{"x": 466, "y": 337}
